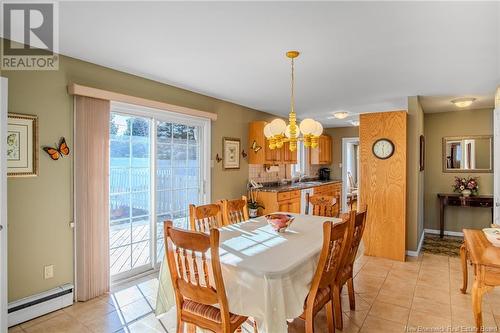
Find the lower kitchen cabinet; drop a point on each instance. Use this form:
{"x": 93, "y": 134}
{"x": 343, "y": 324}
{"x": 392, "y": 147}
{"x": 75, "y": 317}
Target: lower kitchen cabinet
{"x": 290, "y": 201}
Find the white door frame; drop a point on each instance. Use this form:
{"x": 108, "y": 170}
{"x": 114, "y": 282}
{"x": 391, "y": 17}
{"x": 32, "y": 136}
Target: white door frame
{"x": 345, "y": 141}
{"x": 496, "y": 158}
{"x": 3, "y": 204}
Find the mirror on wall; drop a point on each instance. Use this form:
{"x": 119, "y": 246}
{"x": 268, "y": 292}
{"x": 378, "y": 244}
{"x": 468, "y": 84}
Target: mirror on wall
{"x": 468, "y": 154}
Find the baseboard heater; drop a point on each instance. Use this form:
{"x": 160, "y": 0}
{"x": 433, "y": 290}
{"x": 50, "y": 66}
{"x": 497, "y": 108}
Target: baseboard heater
{"x": 38, "y": 305}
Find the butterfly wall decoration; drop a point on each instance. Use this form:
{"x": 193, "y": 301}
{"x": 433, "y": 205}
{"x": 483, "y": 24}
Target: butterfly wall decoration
{"x": 256, "y": 147}
{"x": 60, "y": 151}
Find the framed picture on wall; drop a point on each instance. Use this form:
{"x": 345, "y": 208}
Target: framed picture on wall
{"x": 22, "y": 145}
{"x": 422, "y": 153}
{"x": 231, "y": 150}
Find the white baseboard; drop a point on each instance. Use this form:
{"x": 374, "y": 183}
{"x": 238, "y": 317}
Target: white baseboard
{"x": 416, "y": 253}
{"x": 38, "y": 305}
{"x": 447, "y": 233}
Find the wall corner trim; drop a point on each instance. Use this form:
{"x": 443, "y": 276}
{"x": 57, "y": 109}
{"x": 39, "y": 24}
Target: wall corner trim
{"x": 80, "y": 90}
{"x": 419, "y": 248}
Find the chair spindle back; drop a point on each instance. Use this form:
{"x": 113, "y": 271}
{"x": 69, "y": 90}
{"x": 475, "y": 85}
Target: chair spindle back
{"x": 235, "y": 211}
{"x": 189, "y": 267}
{"x": 324, "y": 205}
{"x": 205, "y": 218}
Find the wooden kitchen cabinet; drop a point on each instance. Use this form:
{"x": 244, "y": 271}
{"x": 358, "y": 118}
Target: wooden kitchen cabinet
{"x": 272, "y": 156}
{"x": 333, "y": 190}
{"x": 289, "y": 206}
{"x": 294, "y": 206}
{"x": 265, "y": 155}
{"x": 288, "y": 157}
{"x": 288, "y": 201}
{"x": 323, "y": 153}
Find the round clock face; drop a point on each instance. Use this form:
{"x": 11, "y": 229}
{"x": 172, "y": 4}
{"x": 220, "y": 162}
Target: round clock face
{"x": 383, "y": 148}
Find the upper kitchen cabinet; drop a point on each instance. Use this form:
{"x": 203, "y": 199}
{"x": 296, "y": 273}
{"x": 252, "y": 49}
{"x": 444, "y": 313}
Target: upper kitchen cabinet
{"x": 259, "y": 152}
{"x": 323, "y": 153}
{"x": 288, "y": 157}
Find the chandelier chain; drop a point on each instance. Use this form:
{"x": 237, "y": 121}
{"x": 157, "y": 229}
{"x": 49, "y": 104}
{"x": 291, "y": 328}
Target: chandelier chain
{"x": 292, "y": 100}
{"x": 278, "y": 132}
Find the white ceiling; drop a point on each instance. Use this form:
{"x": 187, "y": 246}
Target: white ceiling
{"x": 356, "y": 56}
{"x": 435, "y": 104}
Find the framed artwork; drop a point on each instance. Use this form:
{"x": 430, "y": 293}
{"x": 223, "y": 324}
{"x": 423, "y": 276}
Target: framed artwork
{"x": 22, "y": 145}
{"x": 231, "y": 153}
{"x": 422, "y": 153}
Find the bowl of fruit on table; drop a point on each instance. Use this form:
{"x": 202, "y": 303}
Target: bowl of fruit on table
{"x": 279, "y": 222}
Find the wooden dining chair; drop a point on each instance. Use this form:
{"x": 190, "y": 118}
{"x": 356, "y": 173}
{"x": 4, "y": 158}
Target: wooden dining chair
{"x": 198, "y": 301}
{"x": 357, "y": 222}
{"x": 331, "y": 257}
{"x": 323, "y": 205}
{"x": 235, "y": 211}
{"x": 206, "y": 217}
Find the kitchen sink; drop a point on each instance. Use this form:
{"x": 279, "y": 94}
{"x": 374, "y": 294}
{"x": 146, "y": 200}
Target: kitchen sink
{"x": 305, "y": 184}
{"x": 311, "y": 183}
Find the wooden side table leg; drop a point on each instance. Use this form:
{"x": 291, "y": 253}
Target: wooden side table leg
{"x": 441, "y": 217}
{"x": 463, "y": 259}
{"x": 477, "y": 300}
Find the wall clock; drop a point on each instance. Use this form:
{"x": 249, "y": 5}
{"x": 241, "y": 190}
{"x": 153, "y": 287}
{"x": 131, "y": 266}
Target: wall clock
{"x": 383, "y": 149}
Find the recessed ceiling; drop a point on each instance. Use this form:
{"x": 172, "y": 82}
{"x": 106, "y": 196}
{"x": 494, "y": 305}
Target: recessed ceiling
{"x": 355, "y": 56}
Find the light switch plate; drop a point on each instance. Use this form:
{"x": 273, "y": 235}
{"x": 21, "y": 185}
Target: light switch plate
{"x": 48, "y": 272}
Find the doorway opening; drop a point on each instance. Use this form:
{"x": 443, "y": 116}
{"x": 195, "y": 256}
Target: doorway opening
{"x": 159, "y": 164}
{"x": 350, "y": 172}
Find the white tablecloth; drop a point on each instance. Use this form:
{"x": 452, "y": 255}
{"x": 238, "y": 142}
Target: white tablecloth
{"x": 267, "y": 275}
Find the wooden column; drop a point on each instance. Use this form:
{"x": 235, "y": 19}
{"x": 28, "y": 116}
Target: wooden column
{"x": 383, "y": 185}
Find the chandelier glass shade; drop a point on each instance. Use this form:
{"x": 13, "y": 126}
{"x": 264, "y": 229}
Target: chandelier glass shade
{"x": 278, "y": 131}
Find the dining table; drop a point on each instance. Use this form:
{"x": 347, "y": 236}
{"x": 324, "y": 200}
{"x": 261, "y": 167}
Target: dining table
{"x": 267, "y": 274}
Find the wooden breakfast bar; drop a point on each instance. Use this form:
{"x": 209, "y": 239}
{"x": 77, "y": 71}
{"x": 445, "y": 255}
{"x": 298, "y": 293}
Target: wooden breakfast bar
{"x": 485, "y": 259}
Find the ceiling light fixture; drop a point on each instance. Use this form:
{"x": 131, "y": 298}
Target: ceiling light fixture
{"x": 278, "y": 132}
{"x": 463, "y": 102}
{"x": 341, "y": 114}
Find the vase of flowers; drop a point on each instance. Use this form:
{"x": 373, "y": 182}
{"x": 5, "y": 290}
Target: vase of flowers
{"x": 466, "y": 186}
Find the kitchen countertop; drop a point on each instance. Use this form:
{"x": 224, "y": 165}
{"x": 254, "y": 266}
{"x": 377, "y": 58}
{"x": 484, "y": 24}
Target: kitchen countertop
{"x": 298, "y": 186}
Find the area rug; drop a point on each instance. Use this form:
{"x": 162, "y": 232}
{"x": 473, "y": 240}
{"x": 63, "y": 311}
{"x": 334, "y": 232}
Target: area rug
{"x": 448, "y": 245}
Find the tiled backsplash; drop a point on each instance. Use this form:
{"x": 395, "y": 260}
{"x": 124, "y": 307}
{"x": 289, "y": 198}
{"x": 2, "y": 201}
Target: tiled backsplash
{"x": 258, "y": 173}
{"x": 314, "y": 170}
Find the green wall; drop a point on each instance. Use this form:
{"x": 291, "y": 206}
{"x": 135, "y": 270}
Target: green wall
{"x": 415, "y": 177}
{"x": 40, "y": 209}
{"x": 437, "y": 126}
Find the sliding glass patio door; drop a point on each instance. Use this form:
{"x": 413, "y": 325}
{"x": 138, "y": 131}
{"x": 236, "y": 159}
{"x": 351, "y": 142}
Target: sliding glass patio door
{"x": 158, "y": 166}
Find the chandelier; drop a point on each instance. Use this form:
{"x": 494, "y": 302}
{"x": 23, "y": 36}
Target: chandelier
{"x": 278, "y": 132}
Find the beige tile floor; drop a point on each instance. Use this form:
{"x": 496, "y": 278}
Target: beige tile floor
{"x": 420, "y": 295}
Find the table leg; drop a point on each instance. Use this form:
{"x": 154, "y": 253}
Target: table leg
{"x": 478, "y": 290}
{"x": 477, "y": 300}
{"x": 463, "y": 259}
{"x": 441, "y": 218}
